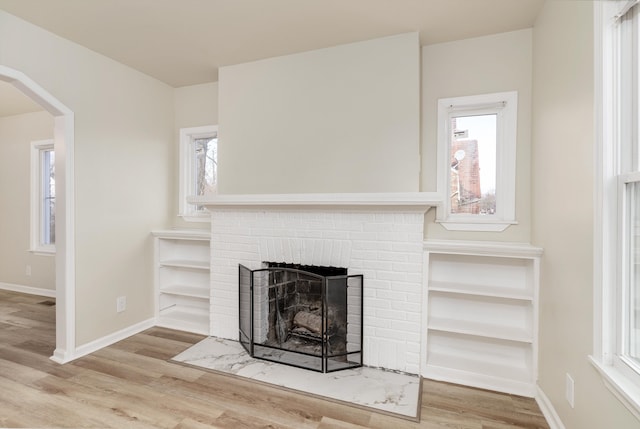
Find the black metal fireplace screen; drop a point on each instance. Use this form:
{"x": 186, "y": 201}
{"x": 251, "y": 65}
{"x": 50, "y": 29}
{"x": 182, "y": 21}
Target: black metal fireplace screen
{"x": 304, "y": 316}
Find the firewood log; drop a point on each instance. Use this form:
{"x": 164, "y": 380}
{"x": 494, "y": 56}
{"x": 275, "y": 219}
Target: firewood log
{"x": 310, "y": 321}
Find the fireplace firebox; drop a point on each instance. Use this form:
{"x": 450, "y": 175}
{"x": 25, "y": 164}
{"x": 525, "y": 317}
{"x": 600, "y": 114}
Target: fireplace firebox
{"x": 305, "y": 316}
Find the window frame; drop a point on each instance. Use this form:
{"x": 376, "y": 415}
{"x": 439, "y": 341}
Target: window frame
{"x": 505, "y": 106}
{"x": 616, "y": 166}
{"x": 37, "y": 220}
{"x": 187, "y": 189}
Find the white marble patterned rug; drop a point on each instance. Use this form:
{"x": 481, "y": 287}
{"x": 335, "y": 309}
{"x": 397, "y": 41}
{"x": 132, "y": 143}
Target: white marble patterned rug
{"x": 383, "y": 391}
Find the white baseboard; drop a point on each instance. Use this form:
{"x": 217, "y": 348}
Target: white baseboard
{"x": 548, "y": 410}
{"x": 51, "y": 293}
{"x": 107, "y": 340}
{"x": 60, "y": 357}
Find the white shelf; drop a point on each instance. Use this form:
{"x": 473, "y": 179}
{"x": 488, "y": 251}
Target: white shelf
{"x": 458, "y": 363}
{"x": 482, "y": 322}
{"x": 507, "y": 384}
{"x": 190, "y": 291}
{"x": 185, "y": 263}
{"x": 182, "y": 280}
{"x": 494, "y": 357}
{"x": 184, "y": 319}
{"x": 500, "y": 332}
{"x": 480, "y": 290}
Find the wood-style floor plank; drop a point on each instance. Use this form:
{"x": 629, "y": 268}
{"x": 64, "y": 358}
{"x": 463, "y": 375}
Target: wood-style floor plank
{"x": 131, "y": 384}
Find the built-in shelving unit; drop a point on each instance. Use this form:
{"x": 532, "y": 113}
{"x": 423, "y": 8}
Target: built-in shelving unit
{"x": 182, "y": 267}
{"x": 482, "y": 314}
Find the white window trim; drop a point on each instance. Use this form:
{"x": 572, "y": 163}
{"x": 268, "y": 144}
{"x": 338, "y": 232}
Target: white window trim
{"x": 609, "y": 213}
{"x": 187, "y": 170}
{"x": 505, "y": 105}
{"x": 36, "y": 246}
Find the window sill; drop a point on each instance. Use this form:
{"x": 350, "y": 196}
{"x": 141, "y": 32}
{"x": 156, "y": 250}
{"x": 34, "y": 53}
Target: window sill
{"x": 476, "y": 225}
{"x": 43, "y": 252}
{"x": 624, "y": 390}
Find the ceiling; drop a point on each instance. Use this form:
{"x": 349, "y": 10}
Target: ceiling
{"x": 184, "y": 42}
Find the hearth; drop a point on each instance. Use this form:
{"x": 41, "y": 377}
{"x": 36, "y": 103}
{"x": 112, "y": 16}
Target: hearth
{"x": 304, "y": 316}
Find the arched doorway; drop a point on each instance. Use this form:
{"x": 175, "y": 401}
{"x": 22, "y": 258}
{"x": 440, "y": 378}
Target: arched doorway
{"x": 65, "y": 208}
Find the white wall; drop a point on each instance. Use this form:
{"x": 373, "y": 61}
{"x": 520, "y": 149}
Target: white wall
{"x": 123, "y": 155}
{"x": 16, "y": 134}
{"x": 496, "y": 63}
{"x": 562, "y": 200}
{"x": 195, "y": 106}
{"x": 341, "y": 119}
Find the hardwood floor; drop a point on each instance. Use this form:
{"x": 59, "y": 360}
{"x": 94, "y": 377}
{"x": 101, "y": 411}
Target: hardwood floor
{"x": 131, "y": 385}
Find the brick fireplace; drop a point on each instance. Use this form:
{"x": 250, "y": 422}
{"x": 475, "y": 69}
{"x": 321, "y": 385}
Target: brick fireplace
{"x": 379, "y": 236}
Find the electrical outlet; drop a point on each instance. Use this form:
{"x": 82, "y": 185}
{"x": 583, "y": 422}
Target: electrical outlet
{"x": 570, "y": 390}
{"x": 28, "y": 271}
{"x": 121, "y": 304}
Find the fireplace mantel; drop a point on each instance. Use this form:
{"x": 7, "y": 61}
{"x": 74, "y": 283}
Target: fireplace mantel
{"x": 392, "y": 200}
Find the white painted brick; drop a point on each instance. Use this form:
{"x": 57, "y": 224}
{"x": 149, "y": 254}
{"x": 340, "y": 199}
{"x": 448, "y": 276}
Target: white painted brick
{"x": 367, "y": 274}
{"x": 219, "y": 262}
{"x": 404, "y": 326}
{"x": 396, "y": 298}
{"x": 391, "y": 276}
{"x": 368, "y": 293}
{"x": 414, "y": 317}
{"x": 415, "y": 236}
{"x": 376, "y": 284}
{"x": 392, "y": 256}
{"x": 370, "y": 303}
{"x": 225, "y": 294}
{"x": 347, "y": 239}
{"x": 415, "y": 258}
{"x": 243, "y": 247}
{"x": 384, "y": 217}
{"x": 372, "y": 245}
{"x": 357, "y": 264}
{"x": 407, "y": 267}
{"x": 354, "y": 318}
{"x": 393, "y": 334}
{"x": 413, "y": 358}
{"x": 403, "y": 305}
{"x": 415, "y": 296}
{"x": 332, "y": 234}
{"x": 387, "y": 313}
{"x": 387, "y": 356}
{"x": 380, "y": 323}
{"x": 379, "y": 227}
{"x": 307, "y": 233}
{"x": 408, "y": 227}
{"x": 364, "y": 255}
{"x": 390, "y": 334}
{"x": 222, "y": 280}
{"x": 393, "y": 236}
{"x": 413, "y": 348}
{"x": 377, "y": 265}
{"x": 406, "y": 287}
{"x": 316, "y": 252}
{"x": 365, "y": 236}
{"x": 408, "y": 247}
{"x": 412, "y": 336}
{"x": 412, "y": 368}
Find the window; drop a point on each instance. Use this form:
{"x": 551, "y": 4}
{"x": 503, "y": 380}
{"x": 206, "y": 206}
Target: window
{"x": 617, "y": 217}
{"x": 198, "y": 169}
{"x": 43, "y": 197}
{"x": 477, "y": 146}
